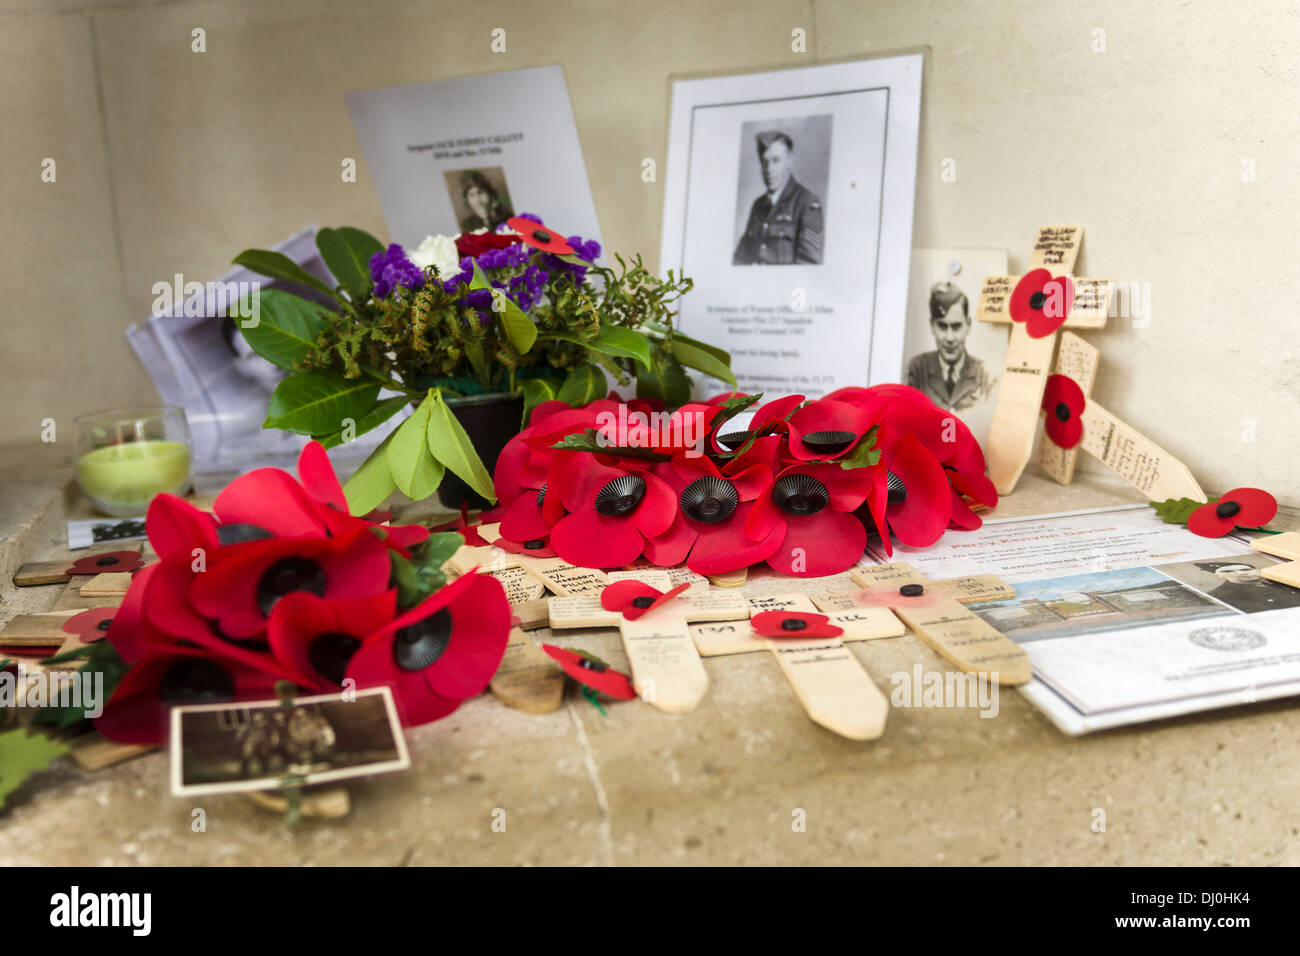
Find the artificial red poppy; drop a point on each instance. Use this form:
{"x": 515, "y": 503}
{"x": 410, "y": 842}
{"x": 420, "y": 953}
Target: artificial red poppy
{"x": 825, "y": 429}
{"x": 1064, "y": 402}
{"x": 522, "y": 465}
{"x": 812, "y": 507}
{"x": 915, "y": 493}
{"x": 592, "y": 673}
{"x": 442, "y": 651}
{"x": 526, "y": 518}
{"x": 708, "y": 529}
{"x": 111, "y": 561}
{"x": 1041, "y": 301}
{"x": 771, "y": 417}
{"x": 318, "y": 638}
{"x": 137, "y": 712}
{"x": 473, "y": 244}
{"x": 793, "y": 624}
{"x": 533, "y": 547}
{"x": 1239, "y": 508}
{"x": 539, "y": 236}
{"x": 611, "y": 511}
{"x": 90, "y": 626}
{"x": 634, "y": 598}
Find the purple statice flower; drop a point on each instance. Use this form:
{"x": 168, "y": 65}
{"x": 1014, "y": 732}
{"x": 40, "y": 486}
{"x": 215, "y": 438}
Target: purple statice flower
{"x": 583, "y": 249}
{"x": 391, "y": 268}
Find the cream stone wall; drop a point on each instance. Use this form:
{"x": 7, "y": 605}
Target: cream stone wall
{"x": 1168, "y": 129}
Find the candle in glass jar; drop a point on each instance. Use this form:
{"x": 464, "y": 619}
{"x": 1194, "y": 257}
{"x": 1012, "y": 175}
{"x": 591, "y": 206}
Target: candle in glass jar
{"x": 122, "y": 479}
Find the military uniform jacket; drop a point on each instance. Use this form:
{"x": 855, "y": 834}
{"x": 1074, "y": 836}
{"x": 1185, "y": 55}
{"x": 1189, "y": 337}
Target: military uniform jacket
{"x": 973, "y": 385}
{"x": 782, "y": 232}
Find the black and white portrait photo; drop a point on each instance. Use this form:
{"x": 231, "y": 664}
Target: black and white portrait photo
{"x": 480, "y": 197}
{"x": 954, "y": 360}
{"x": 784, "y": 169}
{"x": 1235, "y": 580}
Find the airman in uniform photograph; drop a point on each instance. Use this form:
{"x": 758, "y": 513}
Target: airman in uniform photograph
{"x": 950, "y": 376}
{"x": 786, "y": 223}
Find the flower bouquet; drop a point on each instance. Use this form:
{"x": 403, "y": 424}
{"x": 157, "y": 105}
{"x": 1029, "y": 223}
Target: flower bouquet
{"x": 283, "y": 585}
{"x": 798, "y": 486}
{"x": 523, "y": 315}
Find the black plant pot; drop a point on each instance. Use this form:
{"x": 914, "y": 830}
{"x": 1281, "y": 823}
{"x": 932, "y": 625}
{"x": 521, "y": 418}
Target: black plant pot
{"x": 490, "y": 420}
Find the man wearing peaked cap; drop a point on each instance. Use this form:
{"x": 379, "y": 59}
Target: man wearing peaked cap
{"x": 1243, "y": 588}
{"x": 786, "y": 222}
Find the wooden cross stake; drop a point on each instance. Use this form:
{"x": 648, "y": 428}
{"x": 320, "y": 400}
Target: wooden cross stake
{"x": 1134, "y": 457}
{"x": 937, "y": 612}
{"x": 1287, "y": 546}
{"x": 1024, "y": 374}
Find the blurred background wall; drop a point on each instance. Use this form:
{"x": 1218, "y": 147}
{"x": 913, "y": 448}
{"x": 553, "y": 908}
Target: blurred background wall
{"x": 1169, "y": 130}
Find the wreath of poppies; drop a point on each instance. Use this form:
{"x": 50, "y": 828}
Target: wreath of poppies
{"x": 282, "y": 584}
{"x": 797, "y": 484}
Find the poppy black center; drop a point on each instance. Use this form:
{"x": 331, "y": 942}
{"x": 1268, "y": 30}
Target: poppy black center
{"x": 535, "y": 544}
{"x": 107, "y": 561}
{"x": 541, "y": 235}
{"x": 329, "y": 655}
{"x": 897, "y": 490}
{"x": 1227, "y": 509}
{"x": 237, "y": 533}
{"x": 620, "y": 496}
{"x": 709, "y": 499}
{"x": 1036, "y": 300}
{"x": 793, "y": 624}
{"x": 194, "y": 679}
{"x": 643, "y": 602}
{"x": 105, "y": 624}
{"x": 587, "y": 664}
{"x": 286, "y": 576}
{"x": 733, "y": 440}
{"x": 828, "y": 442}
{"x": 541, "y": 494}
{"x": 1062, "y": 411}
{"x": 418, "y": 646}
{"x": 912, "y": 590}
{"x": 800, "y": 495}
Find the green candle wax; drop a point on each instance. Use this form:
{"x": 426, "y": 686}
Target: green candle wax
{"x": 122, "y": 479}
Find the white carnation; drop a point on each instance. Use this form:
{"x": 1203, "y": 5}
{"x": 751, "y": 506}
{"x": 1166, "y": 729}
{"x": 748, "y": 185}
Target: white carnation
{"x": 439, "y": 252}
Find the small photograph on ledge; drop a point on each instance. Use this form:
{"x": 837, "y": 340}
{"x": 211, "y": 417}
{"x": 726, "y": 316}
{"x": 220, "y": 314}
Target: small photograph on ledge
{"x": 480, "y": 197}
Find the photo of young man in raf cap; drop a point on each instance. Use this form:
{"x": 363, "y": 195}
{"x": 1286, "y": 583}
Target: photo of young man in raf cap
{"x": 786, "y": 223}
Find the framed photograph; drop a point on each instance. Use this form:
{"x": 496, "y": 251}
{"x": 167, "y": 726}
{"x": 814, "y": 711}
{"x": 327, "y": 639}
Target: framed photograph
{"x": 956, "y": 361}
{"x": 788, "y": 200}
{"x": 467, "y": 153}
{"x": 255, "y": 745}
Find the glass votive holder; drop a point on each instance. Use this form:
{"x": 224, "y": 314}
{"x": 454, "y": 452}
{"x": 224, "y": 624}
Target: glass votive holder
{"x": 125, "y": 456}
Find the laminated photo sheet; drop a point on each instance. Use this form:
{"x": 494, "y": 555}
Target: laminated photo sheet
{"x": 1125, "y": 618}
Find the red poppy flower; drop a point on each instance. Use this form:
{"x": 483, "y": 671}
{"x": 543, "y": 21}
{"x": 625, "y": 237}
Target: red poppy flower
{"x": 90, "y": 626}
{"x": 912, "y": 497}
{"x": 522, "y": 465}
{"x": 793, "y": 624}
{"x": 592, "y": 673}
{"x": 539, "y": 236}
{"x": 770, "y": 417}
{"x": 1042, "y": 302}
{"x": 1239, "y": 508}
{"x": 137, "y": 713}
{"x": 634, "y": 598}
{"x": 533, "y": 547}
{"x": 812, "y": 506}
{"x": 474, "y": 244}
{"x": 318, "y": 638}
{"x": 1063, "y": 401}
{"x": 111, "y": 561}
{"x": 611, "y": 511}
{"x": 823, "y": 430}
{"x": 708, "y": 529}
{"x": 443, "y": 651}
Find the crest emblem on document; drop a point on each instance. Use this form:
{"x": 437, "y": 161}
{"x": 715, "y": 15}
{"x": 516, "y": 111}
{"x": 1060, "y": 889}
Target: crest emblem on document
{"x": 1227, "y": 638}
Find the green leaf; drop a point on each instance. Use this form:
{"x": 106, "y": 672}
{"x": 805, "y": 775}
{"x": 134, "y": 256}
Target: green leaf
{"x": 705, "y": 360}
{"x": 621, "y": 343}
{"x": 371, "y": 419}
{"x": 584, "y": 383}
{"x": 371, "y": 483}
{"x": 416, "y": 472}
{"x": 1177, "y": 510}
{"x": 420, "y": 576}
{"x": 451, "y": 446}
{"x": 21, "y": 755}
{"x": 722, "y": 355}
{"x": 665, "y": 380}
{"x": 519, "y": 328}
{"x": 864, "y": 454}
{"x": 317, "y": 402}
{"x": 589, "y": 440}
{"x": 347, "y": 252}
{"x": 536, "y": 391}
{"x": 732, "y": 407}
{"x": 287, "y": 328}
{"x": 276, "y": 265}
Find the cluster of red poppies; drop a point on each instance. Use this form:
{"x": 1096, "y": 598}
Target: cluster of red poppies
{"x": 798, "y": 486}
{"x": 284, "y": 585}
